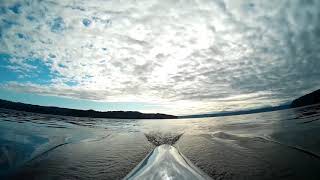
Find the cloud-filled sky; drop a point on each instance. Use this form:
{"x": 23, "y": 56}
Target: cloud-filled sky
{"x": 169, "y": 56}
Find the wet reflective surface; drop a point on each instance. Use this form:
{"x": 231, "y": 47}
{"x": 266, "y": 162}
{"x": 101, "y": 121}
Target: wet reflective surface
{"x": 275, "y": 145}
{"x": 166, "y": 162}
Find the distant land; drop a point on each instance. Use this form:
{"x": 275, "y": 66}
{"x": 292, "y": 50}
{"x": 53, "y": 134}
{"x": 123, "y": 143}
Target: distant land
{"x": 308, "y": 99}
{"x": 233, "y": 113}
{"x": 81, "y": 113}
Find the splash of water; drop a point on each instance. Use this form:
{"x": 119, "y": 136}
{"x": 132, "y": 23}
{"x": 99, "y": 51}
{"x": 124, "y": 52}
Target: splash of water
{"x": 158, "y": 138}
{"x": 165, "y": 161}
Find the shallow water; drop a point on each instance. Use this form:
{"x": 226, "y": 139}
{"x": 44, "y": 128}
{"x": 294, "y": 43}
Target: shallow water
{"x": 275, "y": 145}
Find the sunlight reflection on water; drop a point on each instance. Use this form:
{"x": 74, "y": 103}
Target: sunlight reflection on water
{"x": 266, "y": 145}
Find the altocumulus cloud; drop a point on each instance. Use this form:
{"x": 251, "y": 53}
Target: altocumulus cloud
{"x": 187, "y": 55}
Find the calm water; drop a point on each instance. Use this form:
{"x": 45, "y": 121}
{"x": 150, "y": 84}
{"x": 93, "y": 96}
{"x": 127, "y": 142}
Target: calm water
{"x": 274, "y": 145}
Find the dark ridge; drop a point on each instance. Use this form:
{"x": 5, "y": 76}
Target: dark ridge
{"x": 81, "y": 113}
{"x": 308, "y": 99}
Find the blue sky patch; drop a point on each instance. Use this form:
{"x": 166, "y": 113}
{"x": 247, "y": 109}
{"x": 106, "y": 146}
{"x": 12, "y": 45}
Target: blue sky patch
{"x": 57, "y": 25}
{"x": 15, "y": 8}
{"x": 31, "y": 18}
{"x": 86, "y": 22}
{"x": 6, "y": 74}
{"x": 71, "y": 83}
{"x": 22, "y": 36}
{"x": 8, "y": 23}
{"x": 2, "y": 10}
{"x": 41, "y": 73}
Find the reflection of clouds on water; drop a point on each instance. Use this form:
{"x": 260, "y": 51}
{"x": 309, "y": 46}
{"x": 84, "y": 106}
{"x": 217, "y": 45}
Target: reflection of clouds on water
{"x": 299, "y": 128}
{"x": 255, "y": 146}
{"x": 16, "y": 148}
{"x": 27, "y": 136}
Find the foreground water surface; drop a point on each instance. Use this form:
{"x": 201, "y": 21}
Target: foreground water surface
{"x": 274, "y": 145}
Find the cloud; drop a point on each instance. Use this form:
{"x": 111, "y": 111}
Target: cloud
{"x": 208, "y": 54}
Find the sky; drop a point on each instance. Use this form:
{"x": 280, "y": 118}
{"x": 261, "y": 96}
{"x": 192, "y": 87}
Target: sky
{"x": 168, "y": 56}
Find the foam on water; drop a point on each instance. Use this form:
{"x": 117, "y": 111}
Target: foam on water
{"x": 165, "y": 161}
{"x": 158, "y": 138}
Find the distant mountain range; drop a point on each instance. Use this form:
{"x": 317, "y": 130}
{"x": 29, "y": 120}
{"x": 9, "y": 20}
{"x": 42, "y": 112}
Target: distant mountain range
{"x": 309, "y": 99}
{"x": 81, "y": 113}
{"x": 233, "y": 113}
